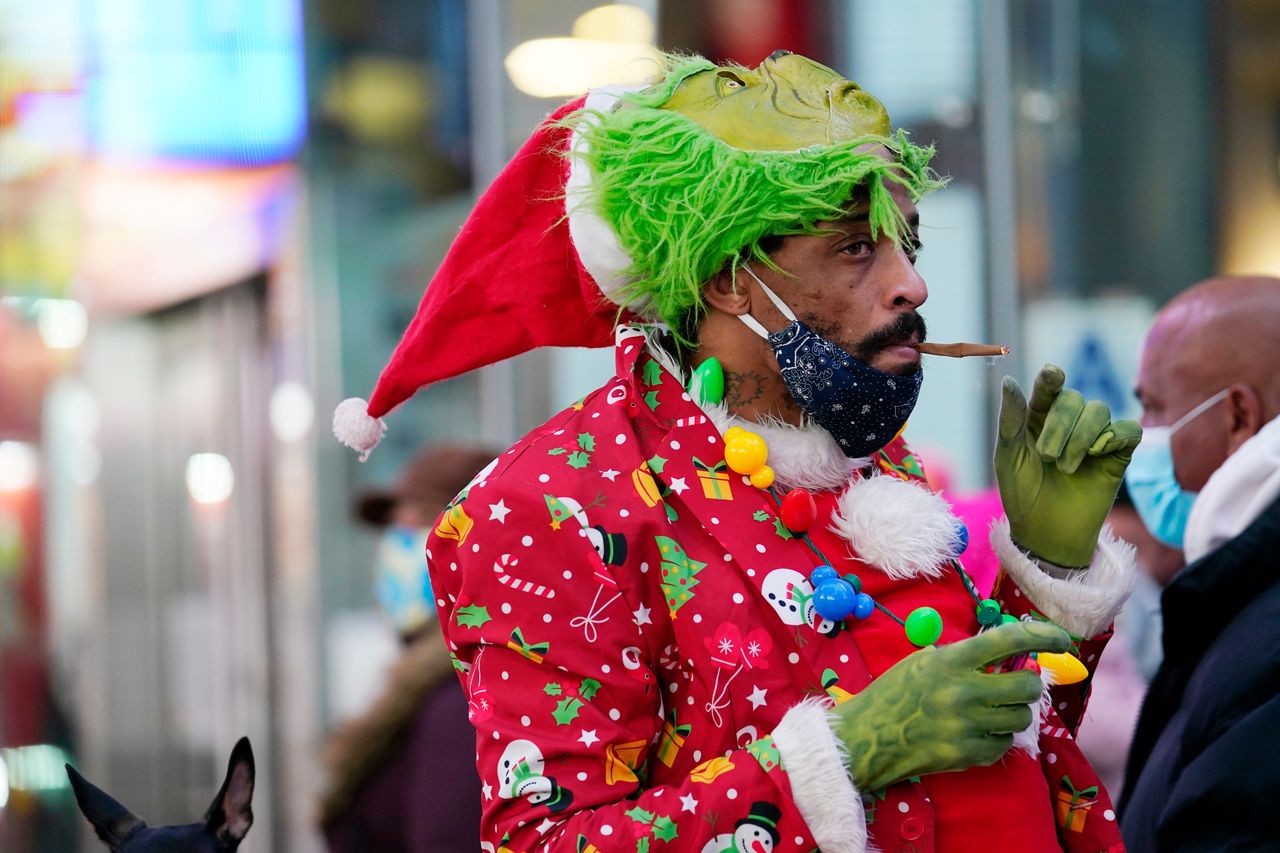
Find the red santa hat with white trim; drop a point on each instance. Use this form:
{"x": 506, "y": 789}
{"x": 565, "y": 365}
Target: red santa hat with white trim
{"x": 528, "y": 269}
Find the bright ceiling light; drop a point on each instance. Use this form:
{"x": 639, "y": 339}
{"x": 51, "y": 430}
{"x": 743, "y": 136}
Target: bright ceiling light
{"x": 560, "y": 67}
{"x": 19, "y": 466}
{"x": 209, "y": 478}
{"x": 615, "y": 22}
{"x": 292, "y": 411}
{"x": 63, "y": 323}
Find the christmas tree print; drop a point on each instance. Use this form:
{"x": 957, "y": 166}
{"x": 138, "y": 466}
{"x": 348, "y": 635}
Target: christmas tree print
{"x": 678, "y": 571}
{"x": 560, "y": 512}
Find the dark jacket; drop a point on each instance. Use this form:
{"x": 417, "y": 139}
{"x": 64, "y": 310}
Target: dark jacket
{"x": 1204, "y": 768}
{"x": 402, "y": 778}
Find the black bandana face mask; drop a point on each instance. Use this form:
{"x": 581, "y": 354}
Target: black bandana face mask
{"x": 863, "y": 408}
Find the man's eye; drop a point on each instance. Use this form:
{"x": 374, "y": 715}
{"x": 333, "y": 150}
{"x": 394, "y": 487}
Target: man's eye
{"x": 859, "y": 248}
{"x": 914, "y": 248}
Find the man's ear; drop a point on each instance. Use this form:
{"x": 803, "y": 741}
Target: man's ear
{"x": 113, "y": 822}
{"x": 1247, "y": 417}
{"x": 723, "y": 293}
{"x": 231, "y": 813}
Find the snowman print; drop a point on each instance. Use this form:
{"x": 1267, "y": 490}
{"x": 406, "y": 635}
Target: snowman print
{"x": 791, "y": 596}
{"x": 520, "y": 774}
{"x": 755, "y": 833}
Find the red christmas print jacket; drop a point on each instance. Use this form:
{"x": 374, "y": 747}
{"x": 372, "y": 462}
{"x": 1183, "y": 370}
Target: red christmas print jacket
{"x": 632, "y": 624}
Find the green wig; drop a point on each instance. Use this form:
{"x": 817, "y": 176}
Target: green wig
{"x": 684, "y": 205}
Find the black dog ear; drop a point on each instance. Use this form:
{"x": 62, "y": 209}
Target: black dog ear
{"x": 231, "y": 813}
{"x": 113, "y": 822}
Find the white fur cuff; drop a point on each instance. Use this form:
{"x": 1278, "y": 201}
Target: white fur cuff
{"x": 1087, "y": 601}
{"x": 813, "y": 759}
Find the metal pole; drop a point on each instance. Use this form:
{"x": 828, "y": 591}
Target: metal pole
{"x": 998, "y": 177}
{"x": 498, "y": 401}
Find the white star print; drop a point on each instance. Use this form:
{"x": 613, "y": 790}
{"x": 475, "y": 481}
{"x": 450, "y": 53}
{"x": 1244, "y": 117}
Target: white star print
{"x": 679, "y": 486}
{"x": 642, "y": 615}
{"x": 588, "y": 737}
{"x": 498, "y": 512}
{"x": 688, "y": 804}
{"x": 610, "y": 475}
{"x": 488, "y": 791}
{"x": 546, "y": 824}
{"x": 757, "y": 697}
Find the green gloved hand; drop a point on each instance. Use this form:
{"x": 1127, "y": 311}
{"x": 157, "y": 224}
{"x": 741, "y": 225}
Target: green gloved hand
{"x": 935, "y": 710}
{"x": 1059, "y": 462}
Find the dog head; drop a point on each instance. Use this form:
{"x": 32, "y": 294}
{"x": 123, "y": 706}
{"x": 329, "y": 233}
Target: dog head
{"x": 225, "y": 824}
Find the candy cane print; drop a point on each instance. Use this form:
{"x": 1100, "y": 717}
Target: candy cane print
{"x": 518, "y": 584}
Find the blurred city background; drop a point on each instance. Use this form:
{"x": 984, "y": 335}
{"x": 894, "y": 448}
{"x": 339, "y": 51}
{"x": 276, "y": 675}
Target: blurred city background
{"x": 217, "y": 217}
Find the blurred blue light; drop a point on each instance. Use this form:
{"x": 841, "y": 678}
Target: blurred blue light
{"x": 201, "y": 81}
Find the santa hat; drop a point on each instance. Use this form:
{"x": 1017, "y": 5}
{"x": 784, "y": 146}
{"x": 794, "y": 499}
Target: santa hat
{"x": 559, "y": 247}
{"x": 557, "y": 263}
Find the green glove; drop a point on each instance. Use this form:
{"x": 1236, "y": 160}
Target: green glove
{"x": 935, "y": 710}
{"x": 1059, "y": 462}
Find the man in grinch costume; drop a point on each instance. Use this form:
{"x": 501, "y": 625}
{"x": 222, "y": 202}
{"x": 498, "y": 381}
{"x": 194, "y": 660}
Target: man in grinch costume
{"x": 712, "y": 605}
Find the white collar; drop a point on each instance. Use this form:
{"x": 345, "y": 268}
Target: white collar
{"x": 1236, "y": 494}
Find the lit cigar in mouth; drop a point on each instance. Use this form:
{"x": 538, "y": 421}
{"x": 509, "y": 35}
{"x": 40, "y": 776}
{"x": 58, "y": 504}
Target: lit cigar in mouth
{"x": 960, "y": 350}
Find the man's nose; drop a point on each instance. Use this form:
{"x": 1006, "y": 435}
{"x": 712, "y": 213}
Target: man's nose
{"x": 906, "y": 286}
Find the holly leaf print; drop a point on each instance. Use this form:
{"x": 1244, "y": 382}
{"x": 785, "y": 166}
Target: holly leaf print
{"x": 656, "y": 464}
{"x": 665, "y": 828}
{"x": 566, "y": 710}
{"x": 557, "y": 451}
{"x": 639, "y": 815}
{"x": 651, "y": 400}
{"x": 642, "y": 844}
{"x": 587, "y": 441}
{"x": 578, "y": 459}
{"x": 473, "y": 616}
{"x": 588, "y": 689}
{"x": 552, "y": 689}
{"x": 760, "y": 515}
{"x": 781, "y": 529}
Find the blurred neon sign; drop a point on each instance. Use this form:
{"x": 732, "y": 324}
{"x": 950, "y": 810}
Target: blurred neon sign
{"x": 197, "y": 81}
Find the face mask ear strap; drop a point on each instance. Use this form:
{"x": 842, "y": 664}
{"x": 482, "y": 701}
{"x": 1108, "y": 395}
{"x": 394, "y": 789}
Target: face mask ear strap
{"x": 773, "y": 297}
{"x": 751, "y": 322}
{"x": 1198, "y": 410}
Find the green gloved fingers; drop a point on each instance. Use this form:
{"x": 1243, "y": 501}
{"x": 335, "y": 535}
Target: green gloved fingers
{"x": 1059, "y": 461}
{"x": 1094, "y": 420}
{"x": 1060, "y": 423}
{"x": 937, "y": 710}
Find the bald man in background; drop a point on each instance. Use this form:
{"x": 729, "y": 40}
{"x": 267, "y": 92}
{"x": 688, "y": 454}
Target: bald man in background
{"x": 1204, "y": 769}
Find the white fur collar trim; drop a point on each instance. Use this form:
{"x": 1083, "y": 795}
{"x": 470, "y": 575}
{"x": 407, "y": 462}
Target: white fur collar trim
{"x": 804, "y": 457}
{"x": 898, "y": 526}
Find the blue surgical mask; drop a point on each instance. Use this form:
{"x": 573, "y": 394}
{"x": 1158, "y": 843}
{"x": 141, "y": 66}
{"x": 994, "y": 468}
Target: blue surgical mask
{"x": 863, "y": 408}
{"x": 401, "y": 583}
{"x": 1160, "y": 500}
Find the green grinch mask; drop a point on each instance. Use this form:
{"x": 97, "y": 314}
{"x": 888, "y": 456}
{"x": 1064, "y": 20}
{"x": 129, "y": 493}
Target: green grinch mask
{"x": 692, "y": 172}
{"x": 786, "y": 103}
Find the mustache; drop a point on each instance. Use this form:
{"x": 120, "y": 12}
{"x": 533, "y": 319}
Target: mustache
{"x": 907, "y": 324}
